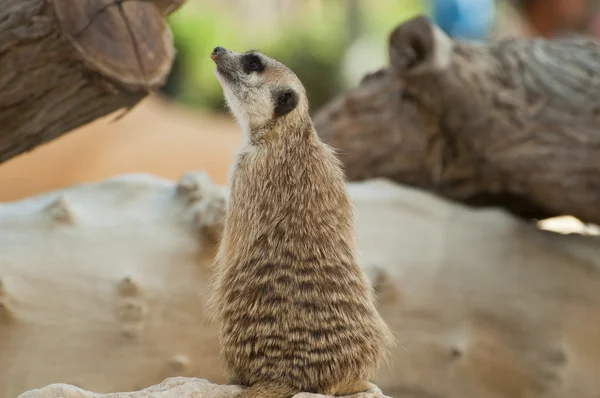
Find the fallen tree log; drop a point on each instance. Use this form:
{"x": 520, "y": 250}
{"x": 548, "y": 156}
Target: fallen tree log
{"x": 512, "y": 123}
{"x": 103, "y": 286}
{"x": 65, "y": 63}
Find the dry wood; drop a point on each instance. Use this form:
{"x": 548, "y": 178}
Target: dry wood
{"x": 513, "y": 123}
{"x": 105, "y": 285}
{"x": 65, "y": 63}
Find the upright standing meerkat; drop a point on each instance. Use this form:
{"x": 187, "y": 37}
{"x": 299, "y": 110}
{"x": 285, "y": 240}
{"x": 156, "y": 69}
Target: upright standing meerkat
{"x": 295, "y": 310}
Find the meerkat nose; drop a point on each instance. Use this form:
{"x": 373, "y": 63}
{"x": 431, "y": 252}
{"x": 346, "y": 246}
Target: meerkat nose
{"x": 216, "y": 52}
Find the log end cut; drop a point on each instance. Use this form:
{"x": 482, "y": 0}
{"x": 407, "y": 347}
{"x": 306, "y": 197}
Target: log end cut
{"x": 127, "y": 41}
{"x": 66, "y": 63}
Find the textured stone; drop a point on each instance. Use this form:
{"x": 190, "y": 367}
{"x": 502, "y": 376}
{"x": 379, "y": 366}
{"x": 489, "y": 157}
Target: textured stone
{"x": 174, "y": 387}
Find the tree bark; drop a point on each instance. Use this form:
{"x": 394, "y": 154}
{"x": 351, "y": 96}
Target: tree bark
{"x": 513, "y": 123}
{"x": 65, "y": 63}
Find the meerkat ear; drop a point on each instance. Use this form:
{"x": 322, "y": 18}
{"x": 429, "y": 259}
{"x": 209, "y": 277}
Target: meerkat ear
{"x": 419, "y": 46}
{"x": 285, "y": 102}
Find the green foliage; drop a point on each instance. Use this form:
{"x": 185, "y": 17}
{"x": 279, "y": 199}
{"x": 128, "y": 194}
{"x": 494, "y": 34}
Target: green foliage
{"x": 196, "y": 32}
{"x": 383, "y": 16}
{"x": 312, "y": 44}
{"x": 313, "y": 48}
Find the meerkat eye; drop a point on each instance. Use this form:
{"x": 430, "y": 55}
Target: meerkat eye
{"x": 252, "y": 63}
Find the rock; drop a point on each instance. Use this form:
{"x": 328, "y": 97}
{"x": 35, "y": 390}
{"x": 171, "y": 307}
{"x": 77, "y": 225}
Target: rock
{"x": 174, "y": 387}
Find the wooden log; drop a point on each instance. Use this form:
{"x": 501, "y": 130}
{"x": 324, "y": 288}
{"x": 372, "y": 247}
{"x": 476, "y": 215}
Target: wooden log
{"x": 65, "y": 63}
{"x": 512, "y": 123}
{"x": 104, "y": 286}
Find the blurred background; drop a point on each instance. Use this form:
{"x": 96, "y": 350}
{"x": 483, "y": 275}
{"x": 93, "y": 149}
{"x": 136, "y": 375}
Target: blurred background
{"x": 330, "y": 44}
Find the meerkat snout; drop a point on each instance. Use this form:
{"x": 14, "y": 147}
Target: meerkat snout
{"x": 258, "y": 89}
{"x": 215, "y": 52}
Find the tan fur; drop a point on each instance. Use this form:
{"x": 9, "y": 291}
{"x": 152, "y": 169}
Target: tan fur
{"x": 295, "y": 310}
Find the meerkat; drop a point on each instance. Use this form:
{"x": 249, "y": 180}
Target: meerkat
{"x": 296, "y": 312}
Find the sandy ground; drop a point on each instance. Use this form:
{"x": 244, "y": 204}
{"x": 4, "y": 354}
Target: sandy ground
{"x": 156, "y": 137}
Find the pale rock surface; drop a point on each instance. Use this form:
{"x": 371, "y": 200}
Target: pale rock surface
{"x": 104, "y": 285}
{"x": 174, "y": 387}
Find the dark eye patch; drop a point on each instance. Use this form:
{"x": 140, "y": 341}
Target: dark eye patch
{"x": 252, "y": 63}
{"x": 285, "y": 101}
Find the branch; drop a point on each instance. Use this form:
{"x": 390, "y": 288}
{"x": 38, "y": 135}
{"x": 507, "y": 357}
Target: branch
{"x": 64, "y": 64}
{"x": 510, "y": 123}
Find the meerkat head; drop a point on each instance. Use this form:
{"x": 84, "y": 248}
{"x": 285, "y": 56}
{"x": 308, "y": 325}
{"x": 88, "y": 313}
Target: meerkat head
{"x": 259, "y": 90}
